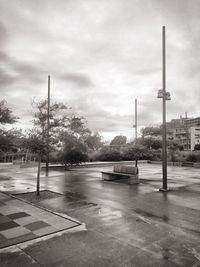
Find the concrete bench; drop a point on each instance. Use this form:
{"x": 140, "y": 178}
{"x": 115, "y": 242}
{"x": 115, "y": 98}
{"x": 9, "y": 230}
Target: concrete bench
{"x": 187, "y": 164}
{"x": 120, "y": 172}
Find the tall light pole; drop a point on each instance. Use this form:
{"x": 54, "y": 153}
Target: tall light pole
{"x": 48, "y": 126}
{"x": 165, "y": 96}
{"x": 135, "y": 126}
{"x": 136, "y": 121}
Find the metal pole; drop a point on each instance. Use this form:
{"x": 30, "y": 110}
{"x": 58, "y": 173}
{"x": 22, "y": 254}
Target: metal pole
{"x": 187, "y": 134}
{"x": 136, "y": 121}
{"x": 164, "y": 141}
{"x": 136, "y": 161}
{"x": 38, "y": 176}
{"x": 48, "y": 124}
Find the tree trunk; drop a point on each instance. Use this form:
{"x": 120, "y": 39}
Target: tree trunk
{"x": 136, "y": 163}
{"x": 38, "y": 175}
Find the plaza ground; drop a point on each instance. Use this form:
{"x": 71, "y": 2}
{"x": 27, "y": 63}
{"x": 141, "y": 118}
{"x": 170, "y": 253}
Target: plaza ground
{"x": 122, "y": 224}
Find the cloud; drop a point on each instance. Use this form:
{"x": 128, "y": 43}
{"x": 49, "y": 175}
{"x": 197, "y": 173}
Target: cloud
{"x": 3, "y": 33}
{"x": 80, "y": 80}
{"x": 6, "y": 78}
{"x": 101, "y": 55}
{"x": 13, "y": 71}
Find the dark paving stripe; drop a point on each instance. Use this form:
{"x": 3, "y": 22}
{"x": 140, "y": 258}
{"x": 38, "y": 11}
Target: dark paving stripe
{"x": 18, "y": 215}
{"x": 4, "y": 219}
{"x": 2, "y": 238}
{"x": 22, "y": 238}
{"x": 36, "y": 225}
{"x": 8, "y": 225}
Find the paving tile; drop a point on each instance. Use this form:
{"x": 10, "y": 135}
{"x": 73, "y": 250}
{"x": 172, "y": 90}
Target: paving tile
{"x": 33, "y": 210}
{"x": 18, "y": 215}
{"x": 8, "y": 225}
{"x": 22, "y": 238}
{"x": 15, "y": 203}
{"x": 36, "y": 225}
{"x": 4, "y": 219}
{"x": 4, "y": 197}
{"x": 45, "y": 231}
{"x": 52, "y": 218}
{"x": 5, "y": 210}
{"x": 39, "y": 212}
{"x": 2, "y": 238}
{"x": 66, "y": 225}
{"x": 4, "y": 243}
{"x": 15, "y": 232}
{"x": 26, "y": 220}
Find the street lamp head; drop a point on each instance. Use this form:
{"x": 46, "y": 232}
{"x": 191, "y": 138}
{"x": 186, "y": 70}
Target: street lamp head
{"x": 160, "y": 93}
{"x": 167, "y": 96}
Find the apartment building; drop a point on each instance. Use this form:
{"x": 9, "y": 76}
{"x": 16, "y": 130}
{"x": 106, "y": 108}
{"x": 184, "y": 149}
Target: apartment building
{"x": 186, "y": 132}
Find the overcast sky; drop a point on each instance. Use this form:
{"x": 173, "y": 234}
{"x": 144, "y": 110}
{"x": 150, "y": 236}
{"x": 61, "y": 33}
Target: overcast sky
{"x": 101, "y": 55}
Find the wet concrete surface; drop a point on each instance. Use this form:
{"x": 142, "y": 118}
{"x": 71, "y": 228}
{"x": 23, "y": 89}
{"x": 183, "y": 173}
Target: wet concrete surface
{"x": 127, "y": 225}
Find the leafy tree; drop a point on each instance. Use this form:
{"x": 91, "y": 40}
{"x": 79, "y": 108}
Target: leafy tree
{"x": 57, "y": 121}
{"x": 152, "y": 143}
{"x": 108, "y": 154}
{"x": 35, "y": 143}
{"x": 57, "y": 116}
{"x": 77, "y": 126}
{"x": 94, "y": 141}
{"x": 61, "y": 123}
{"x": 6, "y": 114}
{"x": 75, "y": 150}
{"x": 118, "y": 140}
{"x": 135, "y": 152}
{"x": 151, "y": 131}
{"x": 173, "y": 148}
{"x": 11, "y": 140}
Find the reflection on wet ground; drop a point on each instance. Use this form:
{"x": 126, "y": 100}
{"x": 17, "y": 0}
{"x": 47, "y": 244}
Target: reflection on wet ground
{"x": 163, "y": 225}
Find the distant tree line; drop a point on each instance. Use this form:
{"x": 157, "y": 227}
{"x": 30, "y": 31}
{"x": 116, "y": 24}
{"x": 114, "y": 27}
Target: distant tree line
{"x": 72, "y": 142}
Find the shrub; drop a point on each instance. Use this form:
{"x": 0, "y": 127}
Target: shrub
{"x": 107, "y": 154}
{"x": 74, "y": 152}
{"x": 136, "y": 152}
{"x": 93, "y": 155}
{"x": 193, "y": 157}
{"x": 197, "y": 147}
{"x": 156, "y": 154}
{"x": 152, "y": 143}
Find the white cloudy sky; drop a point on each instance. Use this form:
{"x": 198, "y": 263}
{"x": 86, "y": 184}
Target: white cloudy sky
{"x": 101, "y": 55}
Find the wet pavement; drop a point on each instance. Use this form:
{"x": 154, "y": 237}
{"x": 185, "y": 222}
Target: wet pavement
{"x": 127, "y": 225}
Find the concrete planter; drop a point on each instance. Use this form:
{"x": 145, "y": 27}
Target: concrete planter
{"x": 134, "y": 179}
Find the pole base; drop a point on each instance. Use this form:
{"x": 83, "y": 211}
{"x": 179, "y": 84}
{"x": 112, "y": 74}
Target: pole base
{"x": 164, "y": 190}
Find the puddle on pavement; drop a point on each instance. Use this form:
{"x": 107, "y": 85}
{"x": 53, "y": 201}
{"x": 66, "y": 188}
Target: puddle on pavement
{"x": 152, "y": 215}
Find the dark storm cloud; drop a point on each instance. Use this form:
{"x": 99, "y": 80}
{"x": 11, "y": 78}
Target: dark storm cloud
{"x": 28, "y": 72}
{"x": 80, "y": 80}
{"x": 6, "y": 79}
{"x": 13, "y": 71}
